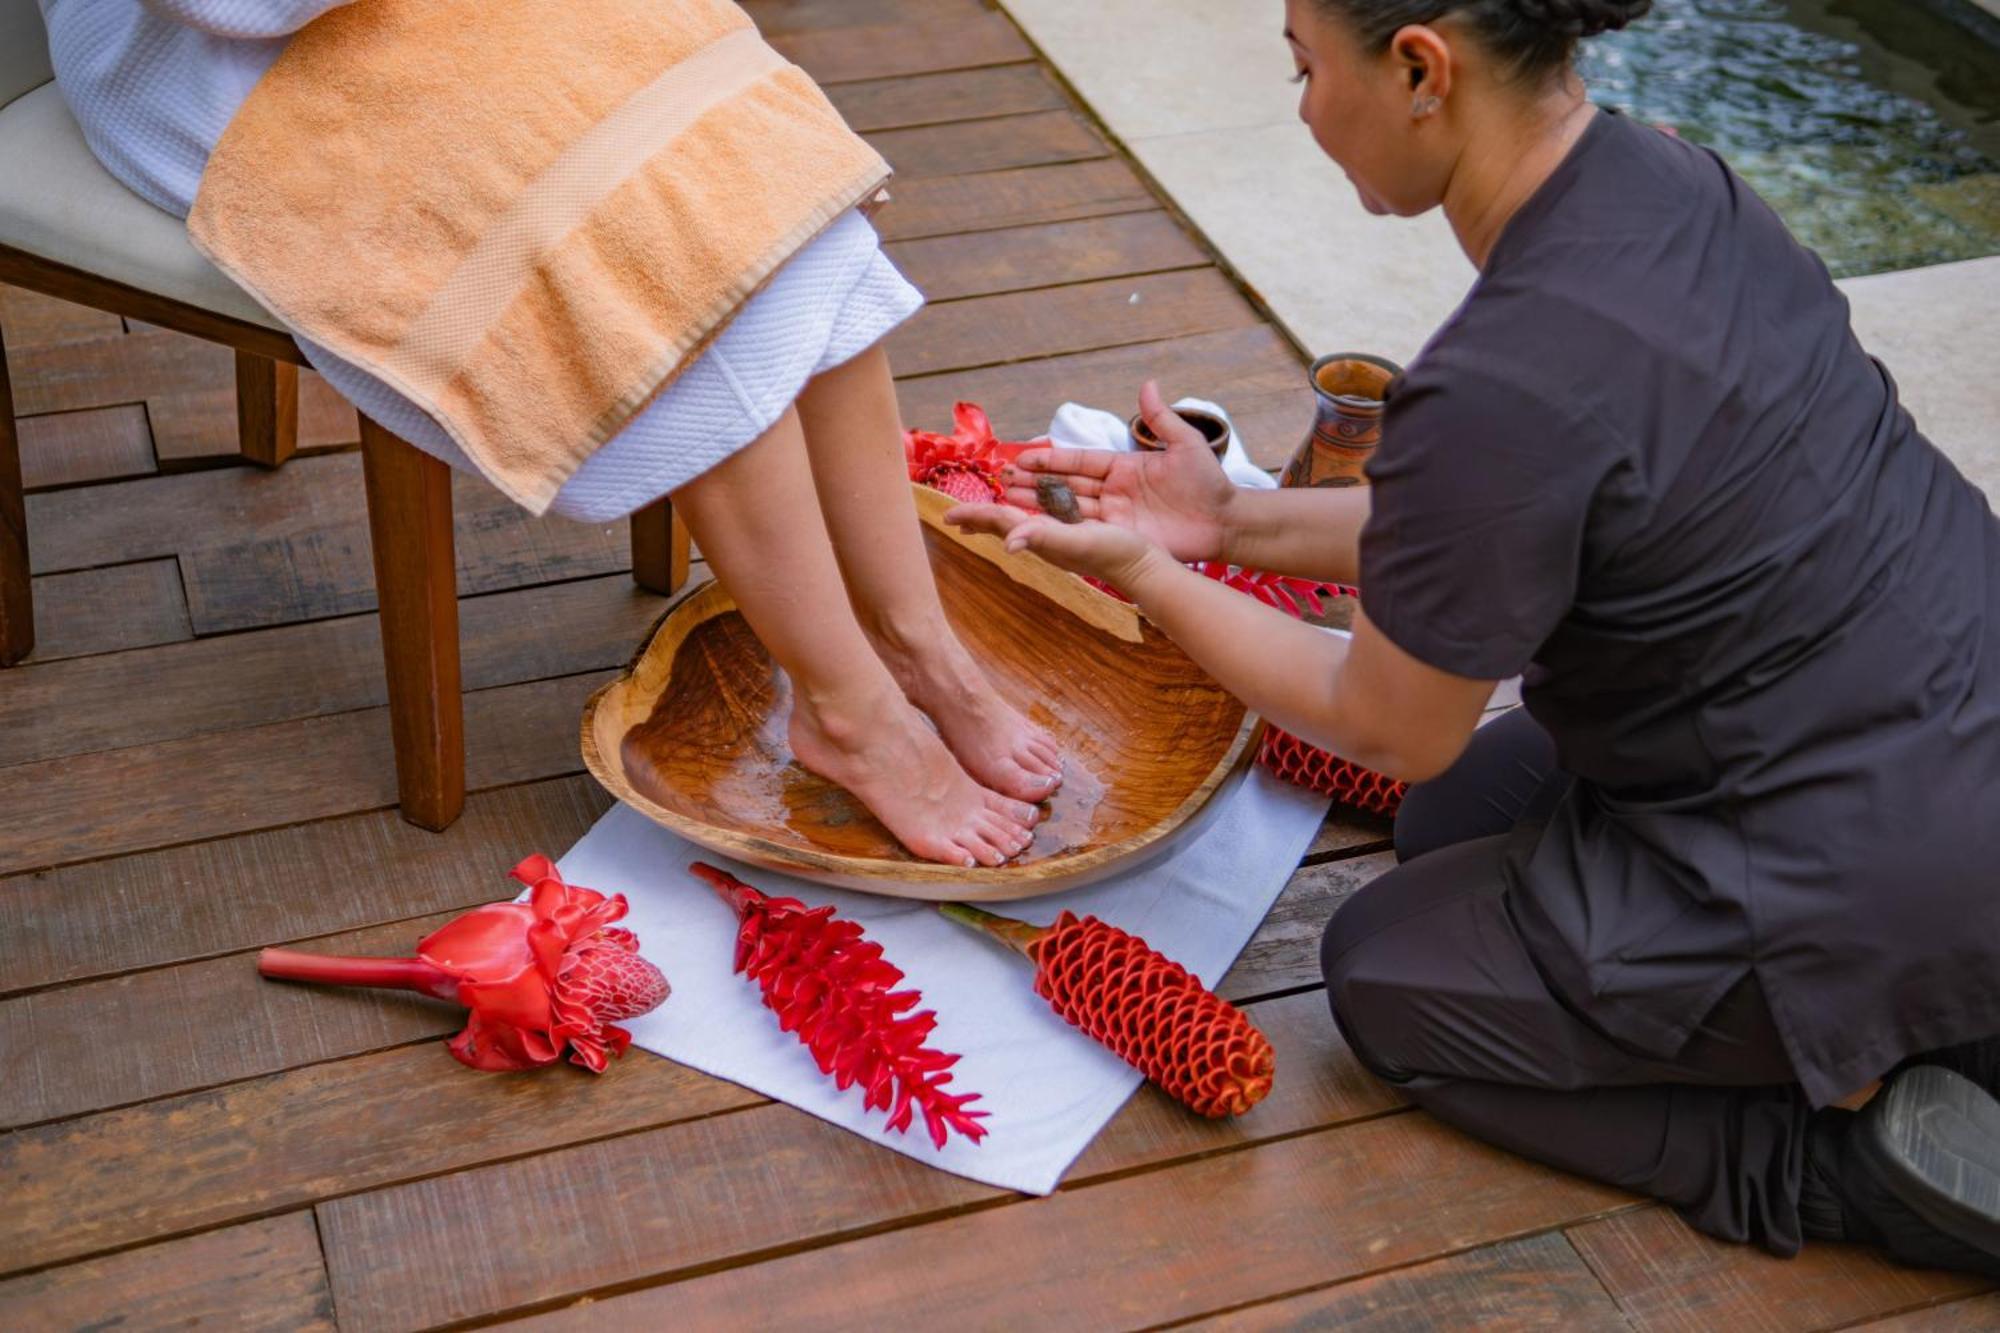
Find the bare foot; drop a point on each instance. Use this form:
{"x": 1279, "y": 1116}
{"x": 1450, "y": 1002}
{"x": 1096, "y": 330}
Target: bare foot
{"x": 997, "y": 745}
{"x": 898, "y": 768}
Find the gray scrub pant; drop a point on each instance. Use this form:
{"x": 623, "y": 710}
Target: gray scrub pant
{"x": 1436, "y": 992}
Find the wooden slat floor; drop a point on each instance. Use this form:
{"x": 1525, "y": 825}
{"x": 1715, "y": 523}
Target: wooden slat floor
{"x": 196, "y": 763}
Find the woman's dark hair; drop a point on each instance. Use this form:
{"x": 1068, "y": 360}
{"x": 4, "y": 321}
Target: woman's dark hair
{"x": 1536, "y": 37}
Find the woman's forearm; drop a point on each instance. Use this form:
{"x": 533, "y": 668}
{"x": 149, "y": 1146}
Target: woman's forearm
{"x": 1308, "y": 532}
{"x": 1285, "y": 670}
{"x": 1362, "y": 698}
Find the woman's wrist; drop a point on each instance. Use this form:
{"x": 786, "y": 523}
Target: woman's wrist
{"x": 1228, "y": 516}
{"x": 1148, "y": 575}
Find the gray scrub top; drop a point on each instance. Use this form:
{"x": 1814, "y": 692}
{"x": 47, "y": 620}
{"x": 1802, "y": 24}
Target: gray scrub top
{"x": 1647, "y": 465}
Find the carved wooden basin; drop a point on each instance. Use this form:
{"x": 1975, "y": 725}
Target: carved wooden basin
{"x": 693, "y": 735}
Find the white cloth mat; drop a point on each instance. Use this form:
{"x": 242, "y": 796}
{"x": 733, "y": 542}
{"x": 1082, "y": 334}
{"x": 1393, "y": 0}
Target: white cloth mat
{"x": 1049, "y": 1088}
{"x": 1082, "y": 427}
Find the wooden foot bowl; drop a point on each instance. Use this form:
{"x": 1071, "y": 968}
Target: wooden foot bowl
{"x": 694, "y": 734}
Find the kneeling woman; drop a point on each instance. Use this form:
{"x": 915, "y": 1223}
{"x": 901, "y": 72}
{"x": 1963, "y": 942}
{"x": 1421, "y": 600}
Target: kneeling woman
{"x": 1735, "y": 862}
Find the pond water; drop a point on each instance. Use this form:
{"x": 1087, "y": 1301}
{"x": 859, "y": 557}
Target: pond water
{"x": 1872, "y": 126}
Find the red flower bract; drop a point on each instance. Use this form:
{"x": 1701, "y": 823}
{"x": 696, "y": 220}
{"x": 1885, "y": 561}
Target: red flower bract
{"x": 539, "y": 976}
{"x": 964, "y": 464}
{"x": 832, "y": 987}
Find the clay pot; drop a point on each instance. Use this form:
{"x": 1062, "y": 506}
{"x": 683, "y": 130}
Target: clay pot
{"x": 1350, "y": 387}
{"x": 1212, "y": 427}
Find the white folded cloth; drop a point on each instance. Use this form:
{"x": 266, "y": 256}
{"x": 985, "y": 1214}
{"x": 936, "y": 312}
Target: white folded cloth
{"x": 1048, "y": 1087}
{"x": 1083, "y": 427}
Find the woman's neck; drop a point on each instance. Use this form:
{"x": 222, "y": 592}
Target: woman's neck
{"x": 1501, "y": 167}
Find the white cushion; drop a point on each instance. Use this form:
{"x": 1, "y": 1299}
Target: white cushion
{"x": 57, "y": 203}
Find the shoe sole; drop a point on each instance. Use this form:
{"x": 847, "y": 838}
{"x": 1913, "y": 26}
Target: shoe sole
{"x": 1934, "y": 1138}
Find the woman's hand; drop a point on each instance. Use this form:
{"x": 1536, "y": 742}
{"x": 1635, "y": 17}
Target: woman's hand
{"x": 1178, "y": 497}
{"x": 1104, "y": 551}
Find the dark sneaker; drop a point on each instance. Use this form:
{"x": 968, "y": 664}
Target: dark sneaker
{"x": 1916, "y": 1171}
{"x": 1977, "y": 1060}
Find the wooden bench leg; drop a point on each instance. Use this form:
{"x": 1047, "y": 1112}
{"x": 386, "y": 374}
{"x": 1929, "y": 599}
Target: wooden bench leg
{"x": 17, "y": 606}
{"x": 267, "y": 409}
{"x": 659, "y": 548}
{"x": 409, "y": 524}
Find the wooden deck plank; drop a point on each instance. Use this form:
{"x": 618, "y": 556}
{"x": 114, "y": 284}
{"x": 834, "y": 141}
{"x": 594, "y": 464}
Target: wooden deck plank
{"x": 934, "y": 99}
{"x": 1351, "y": 831}
{"x": 171, "y": 1030}
{"x": 198, "y": 427}
{"x": 188, "y": 1163}
{"x": 970, "y": 146}
{"x": 791, "y": 16}
{"x": 75, "y": 376}
{"x": 1054, "y": 254}
{"x": 1667, "y": 1276}
{"x": 1284, "y": 953}
{"x": 262, "y": 548}
{"x": 1978, "y": 1312}
{"x": 951, "y": 205}
{"x": 911, "y": 45}
{"x": 309, "y": 670}
{"x": 1514, "y": 1287}
{"x": 1022, "y": 326}
{"x": 114, "y": 607}
{"x": 172, "y": 905}
{"x": 33, "y": 320}
{"x": 1206, "y": 1235}
{"x": 736, "y": 1185}
{"x": 97, "y": 444}
{"x": 241, "y": 781}
{"x": 264, "y": 1274}
{"x": 1251, "y": 371}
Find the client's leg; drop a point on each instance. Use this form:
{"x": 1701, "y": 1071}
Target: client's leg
{"x": 854, "y": 433}
{"x": 756, "y": 518}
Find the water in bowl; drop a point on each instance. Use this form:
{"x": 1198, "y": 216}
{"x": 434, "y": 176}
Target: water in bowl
{"x": 1872, "y": 126}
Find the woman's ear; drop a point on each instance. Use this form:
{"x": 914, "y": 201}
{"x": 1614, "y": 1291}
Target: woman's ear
{"x": 1425, "y": 60}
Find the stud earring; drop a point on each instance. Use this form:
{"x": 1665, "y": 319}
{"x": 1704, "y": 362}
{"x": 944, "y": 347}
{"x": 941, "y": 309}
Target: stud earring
{"x": 1424, "y": 106}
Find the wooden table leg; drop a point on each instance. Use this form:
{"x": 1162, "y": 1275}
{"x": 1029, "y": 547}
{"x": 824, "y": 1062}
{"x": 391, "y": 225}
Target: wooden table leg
{"x": 659, "y": 548}
{"x": 267, "y": 409}
{"x": 409, "y": 522}
{"x": 17, "y": 606}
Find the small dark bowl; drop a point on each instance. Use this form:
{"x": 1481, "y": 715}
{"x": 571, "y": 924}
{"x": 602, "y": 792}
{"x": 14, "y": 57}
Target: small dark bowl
{"x": 1213, "y": 428}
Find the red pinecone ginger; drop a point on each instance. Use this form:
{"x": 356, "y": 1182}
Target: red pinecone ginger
{"x": 1308, "y": 766}
{"x": 832, "y": 987}
{"x": 1149, "y": 1010}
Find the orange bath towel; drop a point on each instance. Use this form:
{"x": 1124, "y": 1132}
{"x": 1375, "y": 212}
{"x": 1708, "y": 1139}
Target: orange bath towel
{"x": 525, "y": 217}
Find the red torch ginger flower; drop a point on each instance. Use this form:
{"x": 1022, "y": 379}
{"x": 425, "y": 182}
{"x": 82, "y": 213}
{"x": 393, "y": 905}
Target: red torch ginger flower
{"x": 538, "y": 976}
{"x": 964, "y": 464}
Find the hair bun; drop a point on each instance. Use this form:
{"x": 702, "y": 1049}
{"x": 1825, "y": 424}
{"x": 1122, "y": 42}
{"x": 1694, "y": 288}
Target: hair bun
{"x": 1580, "y": 18}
